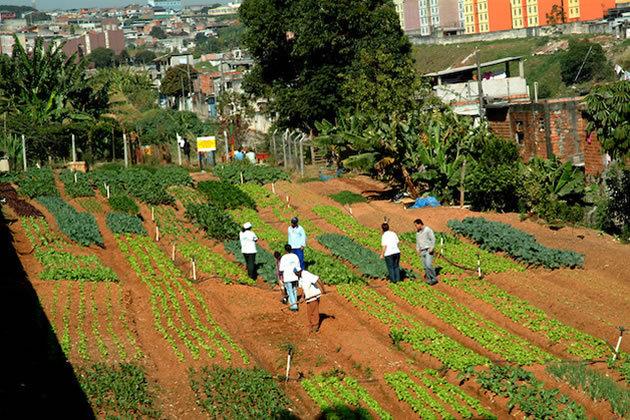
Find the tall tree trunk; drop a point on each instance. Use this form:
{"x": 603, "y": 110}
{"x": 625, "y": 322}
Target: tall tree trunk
{"x": 413, "y": 190}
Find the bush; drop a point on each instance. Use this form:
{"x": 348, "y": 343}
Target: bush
{"x": 80, "y": 227}
{"x": 123, "y": 203}
{"x": 584, "y": 61}
{"x": 225, "y": 195}
{"x": 38, "y": 182}
{"x": 348, "y": 197}
{"x": 215, "y": 221}
{"x": 616, "y": 205}
{"x": 81, "y": 188}
{"x": 497, "y": 236}
{"x": 124, "y": 223}
{"x": 260, "y": 174}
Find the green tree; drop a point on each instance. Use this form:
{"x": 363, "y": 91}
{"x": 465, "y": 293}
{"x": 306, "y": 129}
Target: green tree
{"x": 178, "y": 80}
{"x": 158, "y": 32}
{"x": 584, "y": 61}
{"x": 608, "y": 109}
{"x": 309, "y": 52}
{"x": 556, "y": 15}
{"x": 159, "y": 126}
{"x": 144, "y": 56}
{"x": 102, "y": 58}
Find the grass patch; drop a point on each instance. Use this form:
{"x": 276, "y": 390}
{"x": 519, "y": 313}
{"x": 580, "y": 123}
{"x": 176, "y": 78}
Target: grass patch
{"x": 348, "y": 197}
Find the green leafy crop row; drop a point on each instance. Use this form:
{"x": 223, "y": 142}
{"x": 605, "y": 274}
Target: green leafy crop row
{"x": 237, "y": 393}
{"x": 37, "y": 182}
{"x": 80, "y": 227}
{"x": 260, "y": 174}
{"x": 431, "y": 397}
{"x": 408, "y": 329}
{"x": 212, "y": 263}
{"x": 125, "y": 223}
{"x": 367, "y": 261}
{"x": 121, "y": 202}
{"x": 225, "y": 195}
{"x": 264, "y": 260}
{"x": 80, "y": 188}
{"x": 497, "y": 236}
{"x": 471, "y": 324}
{"x": 217, "y": 223}
{"x": 186, "y": 195}
{"x": 330, "y": 392}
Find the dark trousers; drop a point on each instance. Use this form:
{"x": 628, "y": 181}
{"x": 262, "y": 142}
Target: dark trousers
{"x": 300, "y": 254}
{"x": 250, "y": 262}
{"x": 393, "y": 267}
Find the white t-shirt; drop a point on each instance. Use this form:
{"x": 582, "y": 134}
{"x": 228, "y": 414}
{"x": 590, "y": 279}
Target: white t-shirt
{"x": 390, "y": 241}
{"x": 248, "y": 242}
{"x": 288, "y": 265}
{"x": 307, "y": 283}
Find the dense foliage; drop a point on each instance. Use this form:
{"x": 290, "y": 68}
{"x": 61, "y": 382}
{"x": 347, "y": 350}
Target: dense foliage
{"x": 225, "y": 195}
{"x": 178, "y": 80}
{"x": 497, "y": 236}
{"x": 123, "y": 203}
{"x": 348, "y": 197}
{"x": 367, "y": 261}
{"x": 62, "y": 265}
{"x": 584, "y": 61}
{"x": 527, "y": 393}
{"x": 21, "y": 207}
{"x": 315, "y": 58}
{"x": 118, "y": 391}
{"x": 265, "y": 261}
{"x": 231, "y": 172}
{"x": 608, "y": 109}
{"x": 614, "y": 208}
{"x": 37, "y": 182}
{"x": 80, "y": 227}
{"x": 125, "y": 223}
{"x": 239, "y": 393}
{"x": 80, "y": 188}
{"x": 217, "y": 223}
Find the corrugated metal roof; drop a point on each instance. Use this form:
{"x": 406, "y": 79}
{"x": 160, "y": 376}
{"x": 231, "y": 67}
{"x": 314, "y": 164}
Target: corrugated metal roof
{"x": 473, "y": 67}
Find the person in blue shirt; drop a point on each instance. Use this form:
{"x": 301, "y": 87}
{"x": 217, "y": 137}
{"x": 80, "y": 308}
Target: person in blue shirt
{"x": 297, "y": 240}
{"x": 239, "y": 155}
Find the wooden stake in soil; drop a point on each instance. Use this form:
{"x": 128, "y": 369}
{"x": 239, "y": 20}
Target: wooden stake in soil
{"x": 273, "y": 187}
{"x": 157, "y": 233}
{"x": 621, "y": 330}
{"x": 75, "y": 177}
{"x": 441, "y": 245}
{"x": 288, "y": 202}
{"x": 242, "y": 178}
{"x": 173, "y": 252}
{"x": 479, "y": 265}
{"x": 286, "y": 375}
{"x": 194, "y": 269}
{"x": 152, "y": 214}
{"x": 107, "y": 189}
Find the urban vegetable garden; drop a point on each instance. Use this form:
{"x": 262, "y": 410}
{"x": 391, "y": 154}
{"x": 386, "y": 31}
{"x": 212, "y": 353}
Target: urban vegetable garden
{"x": 140, "y": 275}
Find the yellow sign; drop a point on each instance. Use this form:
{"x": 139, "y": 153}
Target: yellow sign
{"x": 206, "y": 144}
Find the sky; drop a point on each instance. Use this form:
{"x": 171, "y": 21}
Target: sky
{"x": 46, "y": 5}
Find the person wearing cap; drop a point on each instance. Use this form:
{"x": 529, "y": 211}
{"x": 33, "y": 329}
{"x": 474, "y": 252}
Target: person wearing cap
{"x": 248, "y": 247}
{"x": 297, "y": 240}
{"x": 288, "y": 268}
{"x": 312, "y": 288}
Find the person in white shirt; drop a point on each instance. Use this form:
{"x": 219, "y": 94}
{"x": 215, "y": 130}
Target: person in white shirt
{"x": 391, "y": 253}
{"x": 248, "y": 247}
{"x": 312, "y": 288}
{"x": 289, "y": 267}
{"x": 251, "y": 156}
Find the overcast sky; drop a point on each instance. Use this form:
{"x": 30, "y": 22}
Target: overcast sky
{"x": 75, "y": 4}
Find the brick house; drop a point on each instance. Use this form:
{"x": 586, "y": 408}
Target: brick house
{"x": 550, "y": 128}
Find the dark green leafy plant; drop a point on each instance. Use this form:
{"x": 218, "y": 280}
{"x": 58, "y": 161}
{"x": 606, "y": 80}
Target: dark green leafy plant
{"x": 231, "y": 172}
{"x": 37, "y": 182}
{"x": 265, "y": 261}
{"x": 348, "y": 197}
{"x": 61, "y": 265}
{"x": 81, "y": 188}
{"x": 225, "y": 195}
{"x": 80, "y": 227}
{"x": 237, "y": 393}
{"x": 497, "y": 236}
{"x": 118, "y": 391}
{"x": 367, "y": 261}
{"x": 217, "y": 223}
{"x": 123, "y": 203}
{"x": 125, "y": 223}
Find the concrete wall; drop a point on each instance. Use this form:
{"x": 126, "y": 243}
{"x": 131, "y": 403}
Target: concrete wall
{"x": 569, "y": 28}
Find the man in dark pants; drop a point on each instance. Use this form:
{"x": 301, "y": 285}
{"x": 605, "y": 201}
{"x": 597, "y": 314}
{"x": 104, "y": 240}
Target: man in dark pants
{"x": 425, "y": 245}
{"x": 248, "y": 247}
{"x": 391, "y": 253}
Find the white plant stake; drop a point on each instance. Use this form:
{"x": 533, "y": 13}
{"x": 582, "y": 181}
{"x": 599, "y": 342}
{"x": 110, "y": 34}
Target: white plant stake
{"x": 621, "y": 330}
{"x": 173, "y": 252}
{"x": 286, "y": 375}
{"x": 194, "y": 269}
{"x": 107, "y": 189}
{"x": 273, "y": 187}
{"x": 441, "y": 245}
{"x": 152, "y": 214}
{"x": 157, "y": 233}
{"x": 478, "y": 265}
{"x": 75, "y": 177}
{"x": 242, "y": 178}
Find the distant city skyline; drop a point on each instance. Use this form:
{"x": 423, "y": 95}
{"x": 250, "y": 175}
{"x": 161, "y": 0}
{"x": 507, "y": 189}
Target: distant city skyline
{"x": 47, "y": 5}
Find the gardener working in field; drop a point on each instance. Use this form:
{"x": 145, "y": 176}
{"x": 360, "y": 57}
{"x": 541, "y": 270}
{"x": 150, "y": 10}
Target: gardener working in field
{"x": 312, "y": 288}
{"x": 248, "y": 247}
{"x": 297, "y": 240}
{"x": 277, "y": 255}
{"x": 289, "y": 267}
{"x": 425, "y": 244}
{"x": 391, "y": 253}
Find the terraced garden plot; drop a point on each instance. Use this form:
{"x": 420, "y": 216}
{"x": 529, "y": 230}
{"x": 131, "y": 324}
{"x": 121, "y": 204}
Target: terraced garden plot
{"x": 485, "y": 332}
{"x": 214, "y": 264}
{"x": 577, "y": 343}
{"x": 432, "y": 397}
{"x": 51, "y": 250}
{"x": 80, "y": 227}
{"x": 365, "y": 260}
{"x": 264, "y": 260}
{"x": 92, "y": 322}
{"x": 180, "y": 313}
{"x": 334, "y": 396}
{"x": 169, "y": 224}
{"x": 187, "y": 195}
{"x": 91, "y": 205}
{"x": 405, "y": 328}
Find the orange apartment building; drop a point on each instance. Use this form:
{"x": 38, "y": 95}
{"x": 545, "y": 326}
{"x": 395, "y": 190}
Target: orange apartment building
{"x": 500, "y": 15}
